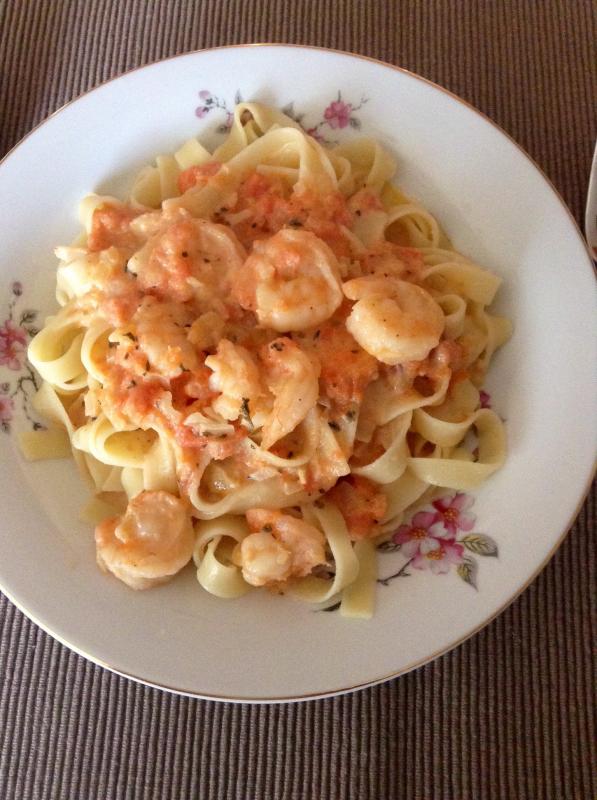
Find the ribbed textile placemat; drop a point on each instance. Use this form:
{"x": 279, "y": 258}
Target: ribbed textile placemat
{"x": 510, "y": 714}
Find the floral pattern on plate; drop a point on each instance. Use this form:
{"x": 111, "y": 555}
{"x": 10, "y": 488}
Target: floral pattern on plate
{"x": 19, "y": 382}
{"x": 337, "y": 114}
{"x": 438, "y": 537}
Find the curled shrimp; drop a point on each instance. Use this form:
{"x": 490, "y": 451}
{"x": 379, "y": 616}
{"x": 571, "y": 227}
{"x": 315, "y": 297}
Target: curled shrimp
{"x": 393, "y": 320}
{"x": 280, "y": 547}
{"x": 161, "y": 335}
{"x": 236, "y": 376}
{"x": 187, "y": 260}
{"x": 149, "y": 543}
{"x": 291, "y": 281}
{"x": 292, "y": 377}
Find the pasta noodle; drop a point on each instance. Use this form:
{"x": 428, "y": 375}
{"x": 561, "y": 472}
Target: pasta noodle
{"x": 263, "y": 360}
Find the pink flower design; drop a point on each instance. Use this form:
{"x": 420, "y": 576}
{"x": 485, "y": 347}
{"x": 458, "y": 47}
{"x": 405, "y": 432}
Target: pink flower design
{"x": 423, "y": 532}
{"x": 485, "y": 399}
{"x": 337, "y": 114}
{"x": 204, "y": 94}
{"x": 13, "y": 342}
{"x": 201, "y": 111}
{"x": 438, "y": 555}
{"x": 6, "y": 408}
{"x": 452, "y": 512}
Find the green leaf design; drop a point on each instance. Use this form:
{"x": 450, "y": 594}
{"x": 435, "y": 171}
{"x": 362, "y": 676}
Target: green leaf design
{"x": 388, "y": 547}
{"x": 28, "y": 316}
{"x": 468, "y": 571}
{"x": 480, "y": 544}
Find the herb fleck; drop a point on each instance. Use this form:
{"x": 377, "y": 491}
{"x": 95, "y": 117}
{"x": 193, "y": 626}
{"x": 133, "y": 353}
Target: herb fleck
{"x": 244, "y": 412}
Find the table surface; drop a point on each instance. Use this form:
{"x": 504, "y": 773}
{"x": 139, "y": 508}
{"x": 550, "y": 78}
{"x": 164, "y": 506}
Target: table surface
{"x": 509, "y": 714}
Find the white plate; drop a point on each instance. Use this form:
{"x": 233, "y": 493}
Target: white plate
{"x": 497, "y": 207}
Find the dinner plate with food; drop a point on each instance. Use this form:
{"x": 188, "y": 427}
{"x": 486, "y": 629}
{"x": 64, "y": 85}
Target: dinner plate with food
{"x": 295, "y": 373}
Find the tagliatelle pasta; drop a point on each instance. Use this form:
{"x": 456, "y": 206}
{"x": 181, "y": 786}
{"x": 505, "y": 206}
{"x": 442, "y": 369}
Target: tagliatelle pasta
{"x": 262, "y": 360}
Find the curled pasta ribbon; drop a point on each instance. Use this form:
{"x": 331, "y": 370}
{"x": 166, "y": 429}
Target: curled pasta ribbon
{"x": 498, "y": 331}
{"x": 93, "y": 349}
{"x": 269, "y": 493}
{"x": 371, "y": 165}
{"x": 120, "y": 448}
{"x": 39, "y": 445}
{"x": 401, "y": 494}
{"x": 392, "y": 463}
{"x": 286, "y": 148}
{"x": 311, "y": 428}
{"x": 320, "y": 590}
{"x": 478, "y": 284}
{"x": 221, "y": 578}
{"x": 155, "y": 184}
{"x": 358, "y": 599}
{"x": 153, "y": 469}
{"x": 90, "y": 203}
{"x": 454, "y": 308}
{"x": 420, "y": 225}
{"x": 446, "y": 425}
{"x": 55, "y": 352}
{"x": 458, "y": 473}
{"x": 380, "y": 405}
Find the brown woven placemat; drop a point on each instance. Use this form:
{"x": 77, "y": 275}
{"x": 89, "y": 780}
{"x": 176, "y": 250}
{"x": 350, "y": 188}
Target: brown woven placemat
{"x": 509, "y": 714}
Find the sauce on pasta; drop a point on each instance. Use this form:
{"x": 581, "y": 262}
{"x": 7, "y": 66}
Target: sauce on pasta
{"x": 262, "y": 360}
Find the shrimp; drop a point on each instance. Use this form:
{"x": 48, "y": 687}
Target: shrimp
{"x": 387, "y": 259}
{"x": 161, "y": 335}
{"x": 236, "y": 376}
{"x": 291, "y": 281}
{"x": 393, "y": 320}
{"x": 293, "y": 379}
{"x": 191, "y": 258}
{"x": 149, "y": 543}
{"x": 280, "y": 547}
{"x": 361, "y": 504}
{"x": 346, "y": 369}
{"x": 111, "y": 227}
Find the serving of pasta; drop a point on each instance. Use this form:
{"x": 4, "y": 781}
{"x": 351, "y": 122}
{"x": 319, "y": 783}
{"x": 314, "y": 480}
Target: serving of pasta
{"x": 263, "y": 360}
